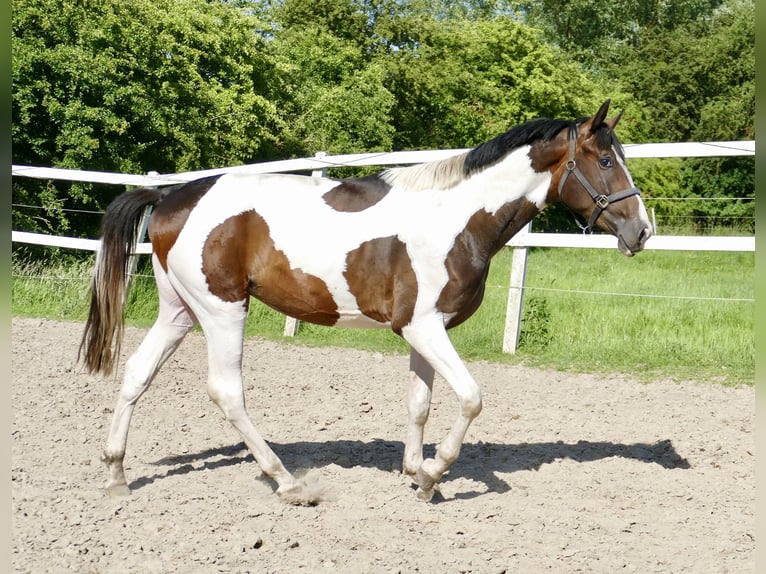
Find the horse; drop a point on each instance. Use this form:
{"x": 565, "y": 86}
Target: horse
{"x": 407, "y": 249}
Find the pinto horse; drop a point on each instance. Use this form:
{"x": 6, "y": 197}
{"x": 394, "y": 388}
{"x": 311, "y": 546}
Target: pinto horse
{"x": 407, "y": 249}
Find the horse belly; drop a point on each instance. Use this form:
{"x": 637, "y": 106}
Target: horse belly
{"x": 307, "y": 298}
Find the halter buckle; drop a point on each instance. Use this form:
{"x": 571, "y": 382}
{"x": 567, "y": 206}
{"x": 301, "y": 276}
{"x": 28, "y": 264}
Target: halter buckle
{"x": 602, "y": 201}
{"x": 571, "y": 164}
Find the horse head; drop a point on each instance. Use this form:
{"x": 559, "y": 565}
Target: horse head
{"x": 593, "y": 181}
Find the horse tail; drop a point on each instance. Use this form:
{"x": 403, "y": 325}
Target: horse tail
{"x": 100, "y": 345}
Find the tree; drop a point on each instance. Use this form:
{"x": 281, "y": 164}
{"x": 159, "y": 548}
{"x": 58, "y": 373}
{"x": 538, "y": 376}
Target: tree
{"x": 698, "y": 82}
{"x": 460, "y": 82}
{"x": 166, "y": 85}
{"x": 329, "y": 86}
{"x": 593, "y": 31}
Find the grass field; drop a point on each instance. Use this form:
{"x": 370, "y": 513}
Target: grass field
{"x": 659, "y": 315}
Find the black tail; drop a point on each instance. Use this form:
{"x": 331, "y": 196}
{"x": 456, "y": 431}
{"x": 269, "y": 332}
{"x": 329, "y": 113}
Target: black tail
{"x": 100, "y": 345}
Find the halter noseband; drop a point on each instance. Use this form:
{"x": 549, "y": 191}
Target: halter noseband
{"x": 602, "y": 201}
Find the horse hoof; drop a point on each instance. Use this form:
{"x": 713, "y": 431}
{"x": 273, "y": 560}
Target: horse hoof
{"x": 425, "y": 495}
{"x": 117, "y": 490}
{"x": 301, "y": 495}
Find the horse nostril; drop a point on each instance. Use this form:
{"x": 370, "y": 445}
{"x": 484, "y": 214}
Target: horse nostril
{"x": 645, "y": 234}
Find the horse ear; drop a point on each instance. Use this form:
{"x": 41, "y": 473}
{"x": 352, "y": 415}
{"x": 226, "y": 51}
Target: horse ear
{"x": 599, "y": 118}
{"x": 612, "y": 123}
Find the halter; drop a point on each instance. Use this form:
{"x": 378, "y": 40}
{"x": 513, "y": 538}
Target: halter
{"x": 602, "y": 201}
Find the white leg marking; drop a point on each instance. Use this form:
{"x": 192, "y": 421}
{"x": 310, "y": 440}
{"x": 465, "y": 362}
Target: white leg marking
{"x": 172, "y": 324}
{"x": 420, "y": 384}
{"x": 429, "y": 338}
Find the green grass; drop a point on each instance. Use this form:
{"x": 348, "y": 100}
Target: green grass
{"x": 613, "y": 322}
{"x": 688, "y": 335}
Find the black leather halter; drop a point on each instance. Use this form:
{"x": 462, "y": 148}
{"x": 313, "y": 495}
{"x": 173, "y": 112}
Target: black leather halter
{"x": 602, "y": 201}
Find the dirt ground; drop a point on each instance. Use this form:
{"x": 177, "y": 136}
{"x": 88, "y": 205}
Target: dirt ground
{"x": 560, "y": 472}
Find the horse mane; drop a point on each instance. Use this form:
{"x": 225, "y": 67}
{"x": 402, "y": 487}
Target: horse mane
{"x": 493, "y": 151}
{"x": 446, "y": 173}
{"x": 439, "y": 174}
{"x": 606, "y": 139}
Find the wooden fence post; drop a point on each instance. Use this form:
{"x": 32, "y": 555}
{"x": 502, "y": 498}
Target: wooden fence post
{"x": 515, "y": 296}
{"x": 291, "y": 323}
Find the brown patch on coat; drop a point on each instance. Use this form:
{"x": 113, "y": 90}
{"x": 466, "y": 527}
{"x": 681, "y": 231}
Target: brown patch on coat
{"x": 171, "y": 213}
{"x": 239, "y": 259}
{"x": 468, "y": 261}
{"x": 548, "y": 156}
{"x": 380, "y": 275}
{"x": 357, "y": 194}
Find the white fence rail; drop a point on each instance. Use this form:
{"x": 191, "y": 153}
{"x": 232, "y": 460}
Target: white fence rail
{"x": 520, "y": 240}
{"x": 321, "y": 162}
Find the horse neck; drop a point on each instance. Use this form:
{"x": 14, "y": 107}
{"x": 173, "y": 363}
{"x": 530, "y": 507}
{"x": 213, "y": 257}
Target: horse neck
{"x": 500, "y": 227}
{"x": 512, "y": 194}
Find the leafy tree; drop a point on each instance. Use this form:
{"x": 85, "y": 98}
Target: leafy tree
{"x": 593, "y": 30}
{"x": 698, "y": 82}
{"x": 460, "y": 82}
{"x": 330, "y": 89}
{"x": 166, "y": 85}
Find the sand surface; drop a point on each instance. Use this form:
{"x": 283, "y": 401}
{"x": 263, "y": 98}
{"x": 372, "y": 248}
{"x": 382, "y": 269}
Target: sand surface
{"x": 560, "y": 472}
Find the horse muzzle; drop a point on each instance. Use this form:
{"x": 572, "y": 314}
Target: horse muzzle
{"x": 630, "y": 243}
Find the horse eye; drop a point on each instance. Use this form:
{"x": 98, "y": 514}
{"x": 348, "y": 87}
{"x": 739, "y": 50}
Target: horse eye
{"x": 605, "y": 162}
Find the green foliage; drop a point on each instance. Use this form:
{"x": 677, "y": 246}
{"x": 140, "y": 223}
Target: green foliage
{"x": 343, "y": 19}
{"x": 56, "y": 290}
{"x": 333, "y": 98}
{"x": 536, "y": 321}
{"x": 689, "y": 67}
{"x": 595, "y": 30}
{"x": 155, "y": 85}
{"x": 697, "y": 80}
{"x": 722, "y": 178}
{"x": 190, "y": 84}
{"x": 460, "y": 82}
{"x": 135, "y": 86}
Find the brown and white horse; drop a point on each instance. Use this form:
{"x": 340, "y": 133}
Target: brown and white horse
{"x": 406, "y": 249}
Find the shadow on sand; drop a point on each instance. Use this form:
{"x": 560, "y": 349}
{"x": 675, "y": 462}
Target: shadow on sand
{"x": 478, "y": 461}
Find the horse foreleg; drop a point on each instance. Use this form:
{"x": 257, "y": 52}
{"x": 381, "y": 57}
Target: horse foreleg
{"x": 420, "y": 384}
{"x": 431, "y": 341}
{"x": 172, "y": 324}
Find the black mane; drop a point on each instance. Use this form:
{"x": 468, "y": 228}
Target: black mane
{"x": 544, "y": 129}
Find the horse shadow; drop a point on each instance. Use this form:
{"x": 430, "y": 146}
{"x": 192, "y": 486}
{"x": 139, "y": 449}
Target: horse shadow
{"x": 479, "y": 461}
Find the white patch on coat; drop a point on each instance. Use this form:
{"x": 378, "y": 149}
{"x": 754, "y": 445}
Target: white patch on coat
{"x": 643, "y": 215}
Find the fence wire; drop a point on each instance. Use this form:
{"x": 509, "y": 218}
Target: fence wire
{"x": 503, "y": 287}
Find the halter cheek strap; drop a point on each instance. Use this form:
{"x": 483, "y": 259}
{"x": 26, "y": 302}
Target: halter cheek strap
{"x": 602, "y": 201}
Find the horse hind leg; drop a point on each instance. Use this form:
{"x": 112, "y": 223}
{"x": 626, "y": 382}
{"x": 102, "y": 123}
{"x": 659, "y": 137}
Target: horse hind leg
{"x": 173, "y": 322}
{"x": 420, "y": 384}
{"x": 225, "y": 333}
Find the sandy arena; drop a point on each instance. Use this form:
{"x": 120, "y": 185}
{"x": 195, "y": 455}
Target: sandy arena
{"x": 560, "y": 472}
